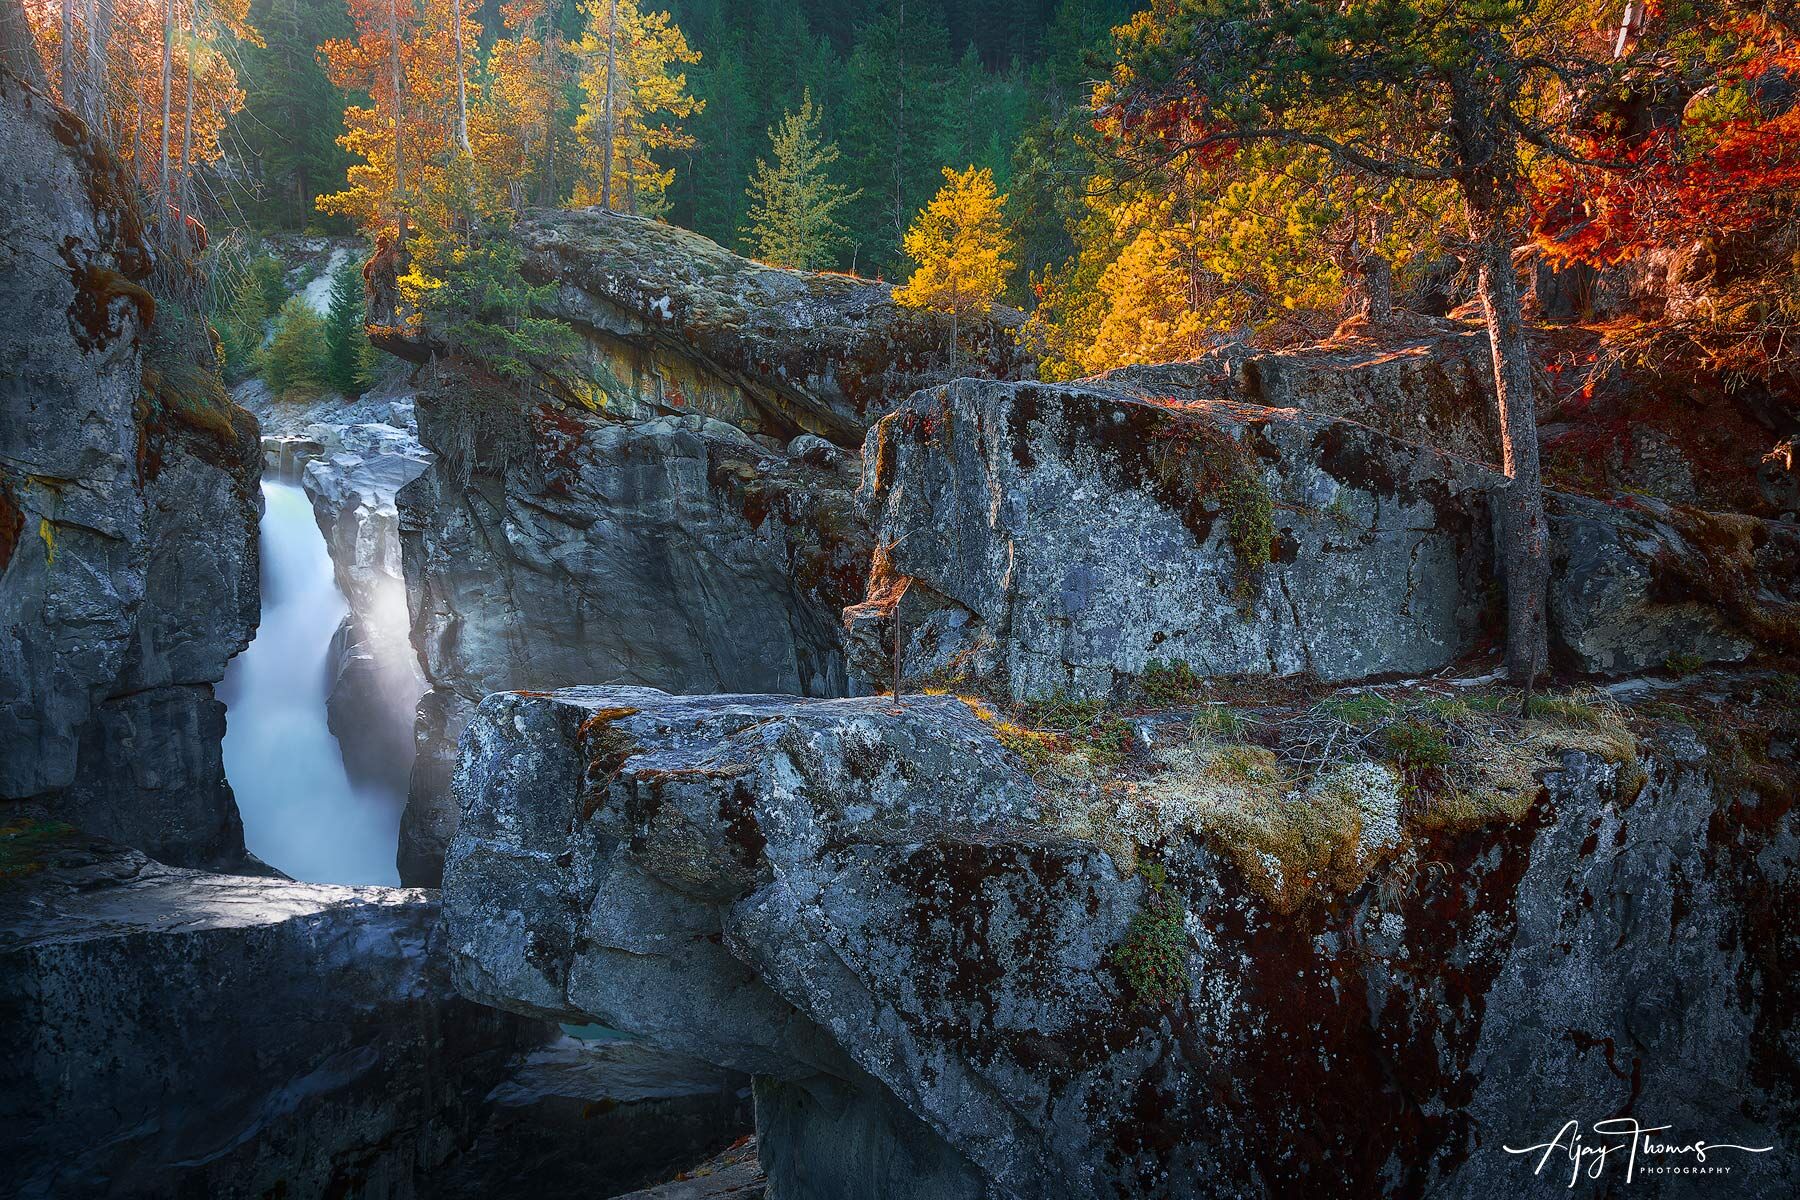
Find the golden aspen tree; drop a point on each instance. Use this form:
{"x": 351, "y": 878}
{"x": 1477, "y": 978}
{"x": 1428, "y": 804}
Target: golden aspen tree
{"x": 960, "y": 245}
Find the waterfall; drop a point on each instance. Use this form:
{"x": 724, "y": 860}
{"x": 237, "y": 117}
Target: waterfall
{"x": 301, "y": 813}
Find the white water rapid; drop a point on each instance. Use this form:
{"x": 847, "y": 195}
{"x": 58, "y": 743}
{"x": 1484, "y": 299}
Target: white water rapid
{"x": 301, "y": 813}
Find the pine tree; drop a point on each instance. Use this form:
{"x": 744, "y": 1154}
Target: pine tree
{"x": 346, "y": 343}
{"x": 961, "y": 249}
{"x": 293, "y": 362}
{"x": 712, "y": 197}
{"x": 794, "y": 203}
{"x": 898, "y": 73}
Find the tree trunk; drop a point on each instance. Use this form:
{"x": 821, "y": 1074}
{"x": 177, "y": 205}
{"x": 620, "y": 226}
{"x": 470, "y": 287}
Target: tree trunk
{"x": 18, "y": 46}
{"x": 1524, "y": 542}
{"x": 98, "y": 46}
{"x": 187, "y": 141}
{"x": 953, "y": 315}
{"x": 612, "y": 63}
{"x": 462, "y": 84}
{"x": 398, "y": 85}
{"x": 547, "y": 195}
{"x": 162, "y": 193}
{"x": 65, "y": 82}
{"x": 1378, "y": 288}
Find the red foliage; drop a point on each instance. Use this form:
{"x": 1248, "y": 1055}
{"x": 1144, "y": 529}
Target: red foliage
{"x": 1684, "y": 180}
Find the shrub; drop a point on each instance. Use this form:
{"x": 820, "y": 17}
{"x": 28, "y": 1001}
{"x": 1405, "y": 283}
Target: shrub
{"x": 1683, "y": 664}
{"x": 1415, "y": 746}
{"x": 1168, "y": 684}
{"x": 1153, "y": 953}
{"x": 294, "y": 361}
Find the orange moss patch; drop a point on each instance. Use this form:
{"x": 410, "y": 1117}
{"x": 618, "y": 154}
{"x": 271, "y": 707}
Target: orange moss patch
{"x": 606, "y": 748}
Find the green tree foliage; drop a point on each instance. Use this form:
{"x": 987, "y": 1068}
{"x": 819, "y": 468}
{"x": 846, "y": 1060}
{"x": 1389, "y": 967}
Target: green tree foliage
{"x": 287, "y": 133}
{"x": 483, "y": 309}
{"x": 250, "y": 293}
{"x": 294, "y": 363}
{"x": 898, "y": 86}
{"x": 794, "y": 204}
{"x": 346, "y": 343}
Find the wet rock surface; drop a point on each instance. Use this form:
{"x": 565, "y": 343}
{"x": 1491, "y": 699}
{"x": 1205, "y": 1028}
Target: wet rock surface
{"x": 127, "y": 517}
{"x": 174, "y": 1032}
{"x": 871, "y": 910}
{"x": 376, "y": 682}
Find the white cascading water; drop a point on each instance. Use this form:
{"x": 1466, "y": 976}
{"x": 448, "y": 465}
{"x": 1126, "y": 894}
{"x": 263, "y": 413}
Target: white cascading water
{"x": 302, "y": 815}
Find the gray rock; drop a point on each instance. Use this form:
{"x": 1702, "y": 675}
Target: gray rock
{"x": 672, "y": 552}
{"x": 872, "y": 910}
{"x": 127, "y": 518}
{"x": 1067, "y": 536}
{"x": 674, "y": 323}
{"x": 169, "y": 1032}
{"x": 1035, "y": 539}
{"x": 1639, "y": 584}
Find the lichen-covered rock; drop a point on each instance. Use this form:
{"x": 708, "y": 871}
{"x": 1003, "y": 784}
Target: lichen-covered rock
{"x": 127, "y": 516}
{"x": 1068, "y": 536}
{"x": 871, "y": 908}
{"x": 169, "y": 1032}
{"x": 1640, "y": 585}
{"x": 1428, "y": 381}
{"x": 675, "y": 322}
{"x": 676, "y": 553}
{"x": 1039, "y": 538}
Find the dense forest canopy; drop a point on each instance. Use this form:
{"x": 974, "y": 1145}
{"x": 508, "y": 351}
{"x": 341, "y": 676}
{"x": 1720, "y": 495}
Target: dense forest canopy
{"x": 359, "y": 115}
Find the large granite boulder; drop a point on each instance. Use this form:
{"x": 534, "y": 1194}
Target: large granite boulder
{"x": 168, "y": 1032}
{"x": 1047, "y": 538}
{"x": 1036, "y": 539}
{"x": 675, "y": 552}
{"x": 946, "y": 989}
{"x": 674, "y": 322}
{"x": 127, "y": 515}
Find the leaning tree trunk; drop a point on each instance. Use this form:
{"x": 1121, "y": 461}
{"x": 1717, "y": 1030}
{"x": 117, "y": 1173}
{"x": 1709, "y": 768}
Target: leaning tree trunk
{"x": 168, "y": 68}
{"x": 1524, "y": 549}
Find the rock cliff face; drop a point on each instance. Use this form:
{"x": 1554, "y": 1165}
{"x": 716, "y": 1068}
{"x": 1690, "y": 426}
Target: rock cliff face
{"x": 696, "y": 533}
{"x": 172, "y": 1032}
{"x": 1035, "y": 538}
{"x": 948, "y": 989}
{"x": 127, "y": 517}
{"x": 1057, "y": 538}
{"x": 675, "y": 552}
{"x": 676, "y": 323}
